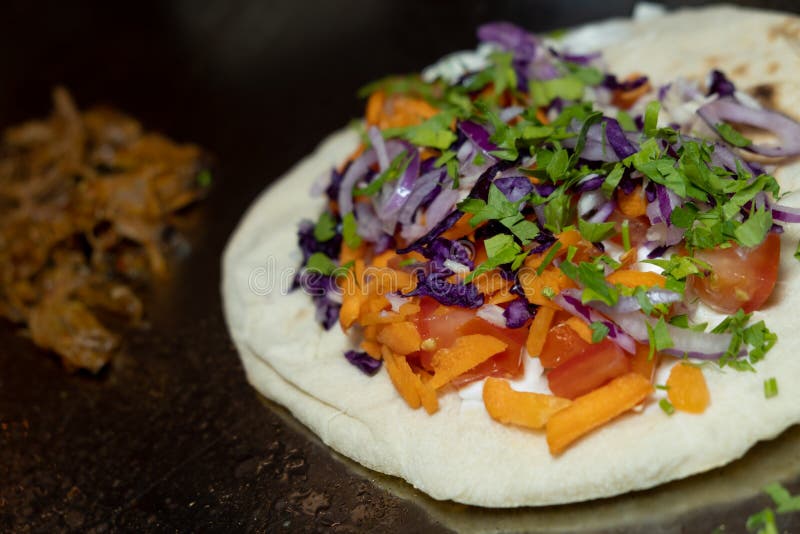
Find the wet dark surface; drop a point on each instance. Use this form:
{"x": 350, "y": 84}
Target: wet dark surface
{"x": 171, "y": 437}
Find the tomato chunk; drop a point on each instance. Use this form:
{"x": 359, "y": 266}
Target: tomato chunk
{"x": 589, "y": 370}
{"x": 740, "y": 277}
{"x": 562, "y": 344}
{"x": 637, "y": 228}
{"x": 507, "y": 364}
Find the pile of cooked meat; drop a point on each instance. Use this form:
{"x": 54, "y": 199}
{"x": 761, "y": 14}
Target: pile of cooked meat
{"x": 87, "y": 200}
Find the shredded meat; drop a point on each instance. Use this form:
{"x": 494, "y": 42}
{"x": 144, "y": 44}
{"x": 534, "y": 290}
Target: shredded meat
{"x": 86, "y": 199}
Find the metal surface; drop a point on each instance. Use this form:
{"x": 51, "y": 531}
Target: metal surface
{"x": 171, "y": 437}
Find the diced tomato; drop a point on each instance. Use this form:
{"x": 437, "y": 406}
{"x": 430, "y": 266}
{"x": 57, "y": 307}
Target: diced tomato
{"x": 589, "y": 370}
{"x": 507, "y": 364}
{"x": 741, "y": 277}
{"x": 637, "y": 228}
{"x": 440, "y": 323}
{"x": 562, "y": 344}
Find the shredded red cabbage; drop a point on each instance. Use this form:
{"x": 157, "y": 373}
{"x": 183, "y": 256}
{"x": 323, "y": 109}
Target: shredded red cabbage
{"x": 518, "y": 312}
{"x": 435, "y": 285}
{"x": 366, "y": 363}
{"x": 720, "y": 85}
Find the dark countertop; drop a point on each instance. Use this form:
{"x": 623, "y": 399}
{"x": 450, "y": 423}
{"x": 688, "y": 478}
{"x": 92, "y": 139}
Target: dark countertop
{"x": 171, "y": 437}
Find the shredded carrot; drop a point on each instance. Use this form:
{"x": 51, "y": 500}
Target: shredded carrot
{"x": 688, "y": 391}
{"x": 626, "y": 99}
{"x": 403, "y": 378}
{"x": 502, "y": 297}
{"x": 537, "y": 334}
{"x": 542, "y": 116}
{"x": 371, "y": 332}
{"x": 383, "y": 317}
{"x": 401, "y": 338}
{"x": 372, "y": 348}
{"x": 491, "y": 282}
{"x": 427, "y": 396}
{"x": 595, "y": 409}
{"x": 375, "y": 108}
{"x": 581, "y": 328}
{"x": 633, "y": 204}
{"x": 463, "y": 355}
{"x": 629, "y": 258}
{"x": 382, "y": 260}
{"x": 530, "y": 410}
{"x": 536, "y": 285}
{"x": 631, "y": 278}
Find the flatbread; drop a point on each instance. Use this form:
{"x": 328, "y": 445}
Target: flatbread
{"x": 460, "y": 453}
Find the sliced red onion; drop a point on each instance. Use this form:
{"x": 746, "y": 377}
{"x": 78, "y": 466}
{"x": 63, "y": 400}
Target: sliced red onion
{"x": 510, "y": 112}
{"x": 594, "y": 207}
{"x": 425, "y": 184}
{"x": 379, "y": 145}
{"x": 357, "y": 170}
{"x": 492, "y": 313}
{"x": 728, "y": 109}
{"x": 441, "y": 207}
{"x": 603, "y": 212}
{"x": 478, "y": 135}
{"x": 786, "y": 214}
{"x": 617, "y": 139}
{"x": 370, "y": 226}
{"x": 698, "y": 345}
{"x": 396, "y": 300}
{"x": 590, "y": 182}
{"x": 629, "y": 304}
{"x": 574, "y": 306}
{"x": 390, "y": 206}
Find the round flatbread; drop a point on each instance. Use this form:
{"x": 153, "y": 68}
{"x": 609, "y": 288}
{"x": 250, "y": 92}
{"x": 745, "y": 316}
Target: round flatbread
{"x": 460, "y": 453}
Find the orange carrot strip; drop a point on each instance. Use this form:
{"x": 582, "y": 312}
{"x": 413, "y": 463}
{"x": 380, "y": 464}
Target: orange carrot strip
{"x": 534, "y": 285}
{"x": 629, "y": 258}
{"x": 382, "y": 260}
{"x": 631, "y": 278}
{"x": 380, "y": 318}
{"x": 371, "y": 331}
{"x": 501, "y": 297}
{"x": 538, "y": 332}
{"x": 626, "y": 99}
{"x": 595, "y": 409}
{"x": 463, "y": 355}
{"x": 634, "y": 204}
{"x": 401, "y": 338}
{"x": 460, "y": 229}
{"x": 642, "y": 363}
{"x": 403, "y": 378}
{"x": 408, "y": 309}
{"x": 688, "y": 391}
{"x": 542, "y": 116}
{"x": 375, "y": 107}
{"x": 371, "y": 348}
{"x": 581, "y": 328}
{"x": 531, "y": 410}
{"x": 427, "y": 396}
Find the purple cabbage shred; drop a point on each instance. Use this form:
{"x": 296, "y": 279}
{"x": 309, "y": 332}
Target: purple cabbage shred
{"x": 720, "y": 84}
{"x": 518, "y": 312}
{"x": 365, "y": 363}
{"x": 436, "y": 286}
{"x": 514, "y": 187}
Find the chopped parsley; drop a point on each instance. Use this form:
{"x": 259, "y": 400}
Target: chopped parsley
{"x": 770, "y": 387}
{"x": 599, "y": 331}
{"x": 325, "y": 229}
{"x": 395, "y": 170}
{"x": 666, "y": 406}
{"x": 350, "y": 231}
{"x": 320, "y": 263}
{"x": 595, "y": 232}
{"x": 204, "y": 178}
{"x": 730, "y": 135}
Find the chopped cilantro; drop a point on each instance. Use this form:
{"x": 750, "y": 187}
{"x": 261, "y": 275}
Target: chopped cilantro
{"x": 625, "y": 121}
{"x": 612, "y": 180}
{"x": 679, "y": 267}
{"x": 770, "y": 387}
{"x": 545, "y": 91}
{"x": 753, "y": 231}
{"x": 626, "y": 235}
{"x": 548, "y": 292}
{"x": 782, "y": 498}
{"x": 666, "y": 406}
{"x": 558, "y": 212}
{"x": 659, "y": 337}
{"x": 595, "y": 232}
{"x": 325, "y": 229}
{"x": 592, "y": 278}
{"x": 500, "y": 250}
{"x": 797, "y": 252}
{"x": 548, "y": 258}
{"x": 730, "y": 135}
{"x": 434, "y": 132}
{"x": 651, "y": 118}
{"x": 350, "y": 231}
{"x": 320, "y": 263}
{"x": 558, "y": 165}
{"x": 762, "y": 522}
{"x": 396, "y": 169}
{"x": 599, "y": 331}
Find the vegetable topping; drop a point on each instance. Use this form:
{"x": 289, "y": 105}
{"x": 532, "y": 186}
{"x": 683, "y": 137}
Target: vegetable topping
{"x": 525, "y": 200}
